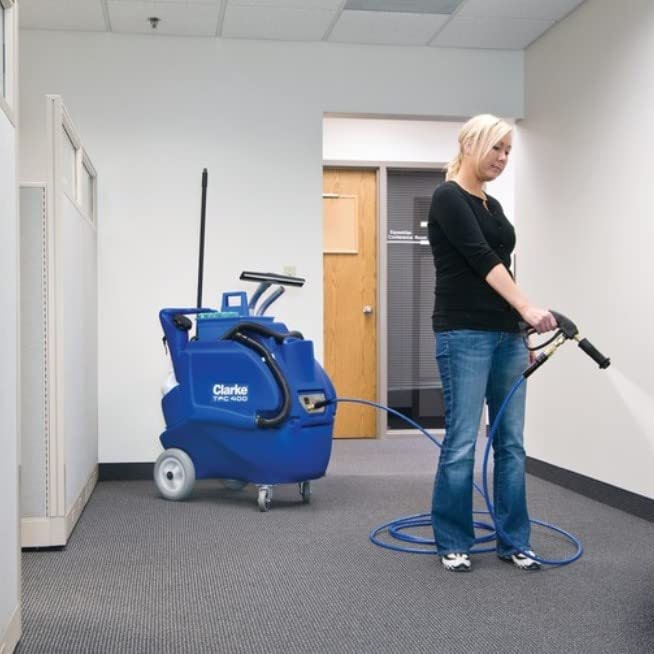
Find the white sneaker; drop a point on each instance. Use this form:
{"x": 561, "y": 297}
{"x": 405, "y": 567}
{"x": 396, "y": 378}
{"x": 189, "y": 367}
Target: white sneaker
{"x": 456, "y": 562}
{"x": 523, "y": 561}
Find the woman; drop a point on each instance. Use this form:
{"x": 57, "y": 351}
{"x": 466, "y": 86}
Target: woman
{"x": 479, "y": 347}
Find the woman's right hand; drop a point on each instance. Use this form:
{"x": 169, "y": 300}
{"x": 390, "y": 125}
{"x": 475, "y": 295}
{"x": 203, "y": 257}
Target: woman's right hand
{"x": 540, "y": 319}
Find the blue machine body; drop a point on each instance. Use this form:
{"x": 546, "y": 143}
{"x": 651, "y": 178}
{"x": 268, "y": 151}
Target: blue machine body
{"x": 224, "y": 388}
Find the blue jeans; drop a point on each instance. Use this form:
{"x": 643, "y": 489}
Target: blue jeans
{"x": 475, "y": 365}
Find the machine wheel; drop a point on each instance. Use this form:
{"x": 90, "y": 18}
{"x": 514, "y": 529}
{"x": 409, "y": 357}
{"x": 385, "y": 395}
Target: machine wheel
{"x": 305, "y": 491}
{"x": 174, "y": 474}
{"x": 264, "y": 499}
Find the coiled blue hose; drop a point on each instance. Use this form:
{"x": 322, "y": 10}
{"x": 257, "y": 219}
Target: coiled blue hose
{"x": 397, "y": 528}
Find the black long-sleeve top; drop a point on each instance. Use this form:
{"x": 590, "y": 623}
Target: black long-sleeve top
{"x": 467, "y": 241}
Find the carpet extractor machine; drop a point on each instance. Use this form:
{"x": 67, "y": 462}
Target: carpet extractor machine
{"x": 240, "y": 403}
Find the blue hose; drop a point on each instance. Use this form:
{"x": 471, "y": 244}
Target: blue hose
{"x": 397, "y": 528}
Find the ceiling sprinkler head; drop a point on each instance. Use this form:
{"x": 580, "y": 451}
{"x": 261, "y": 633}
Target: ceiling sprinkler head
{"x": 154, "y": 21}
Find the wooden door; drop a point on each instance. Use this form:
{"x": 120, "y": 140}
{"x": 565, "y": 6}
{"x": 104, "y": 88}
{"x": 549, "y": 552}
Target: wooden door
{"x": 350, "y": 295}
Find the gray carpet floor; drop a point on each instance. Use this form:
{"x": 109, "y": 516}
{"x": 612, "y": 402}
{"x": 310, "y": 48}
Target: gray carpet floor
{"x": 213, "y": 574}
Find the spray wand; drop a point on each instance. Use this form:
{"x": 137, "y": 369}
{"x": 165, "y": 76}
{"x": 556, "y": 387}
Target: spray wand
{"x": 567, "y": 331}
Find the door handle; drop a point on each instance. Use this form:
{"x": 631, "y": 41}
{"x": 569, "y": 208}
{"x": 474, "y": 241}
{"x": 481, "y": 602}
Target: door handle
{"x": 367, "y": 309}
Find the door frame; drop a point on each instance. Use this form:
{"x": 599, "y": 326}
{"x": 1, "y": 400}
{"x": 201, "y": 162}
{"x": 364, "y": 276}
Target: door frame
{"x": 381, "y": 169}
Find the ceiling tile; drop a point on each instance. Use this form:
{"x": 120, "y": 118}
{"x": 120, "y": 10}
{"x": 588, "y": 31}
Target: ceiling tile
{"x": 533, "y": 9}
{"x": 244, "y": 22}
{"x": 332, "y": 5}
{"x": 386, "y": 28}
{"x": 85, "y": 15}
{"x": 176, "y": 18}
{"x": 493, "y": 33}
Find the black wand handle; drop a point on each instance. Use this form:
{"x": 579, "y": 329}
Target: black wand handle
{"x": 602, "y": 361}
{"x": 202, "y": 223}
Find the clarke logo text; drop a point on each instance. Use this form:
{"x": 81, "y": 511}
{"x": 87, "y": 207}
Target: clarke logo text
{"x": 230, "y": 393}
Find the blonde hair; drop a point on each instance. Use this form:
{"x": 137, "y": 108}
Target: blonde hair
{"x": 480, "y": 133}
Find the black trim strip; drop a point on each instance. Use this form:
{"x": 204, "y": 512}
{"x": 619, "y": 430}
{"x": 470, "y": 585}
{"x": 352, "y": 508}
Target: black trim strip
{"x": 632, "y": 503}
{"x": 125, "y": 471}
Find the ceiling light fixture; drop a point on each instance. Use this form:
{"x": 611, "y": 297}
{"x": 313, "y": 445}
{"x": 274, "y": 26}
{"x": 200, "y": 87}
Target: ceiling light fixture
{"x": 404, "y": 6}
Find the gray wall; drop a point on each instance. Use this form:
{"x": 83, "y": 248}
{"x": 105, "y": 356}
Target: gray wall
{"x": 33, "y": 449}
{"x": 155, "y": 111}
{"x": 584, "y": 207}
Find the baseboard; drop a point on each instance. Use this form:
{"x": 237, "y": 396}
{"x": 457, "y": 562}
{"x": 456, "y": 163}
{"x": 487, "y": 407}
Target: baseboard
{"x": 10, "y": 638}
{"x": 55, "y": 531}
{"x": 638, "y": 505}
{"x": 126, "y": 471}
{"x": 618, "y": 498}
{"x": 43, "y": 532}
{"x": 75, "y": 511}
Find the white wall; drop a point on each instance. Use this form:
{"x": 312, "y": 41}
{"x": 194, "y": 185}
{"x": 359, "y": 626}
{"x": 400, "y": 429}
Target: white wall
{"x": 9, "y": 564}
{"x": 584, "y": 197}
{"x": 155, "y": 111}
{"x": 400, "y": 141}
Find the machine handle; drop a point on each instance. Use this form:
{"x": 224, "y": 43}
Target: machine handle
{"x": 203, "y": 218}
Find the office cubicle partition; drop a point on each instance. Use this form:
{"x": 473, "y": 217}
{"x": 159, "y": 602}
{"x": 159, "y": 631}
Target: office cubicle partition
{"x": 59, "y": 351}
